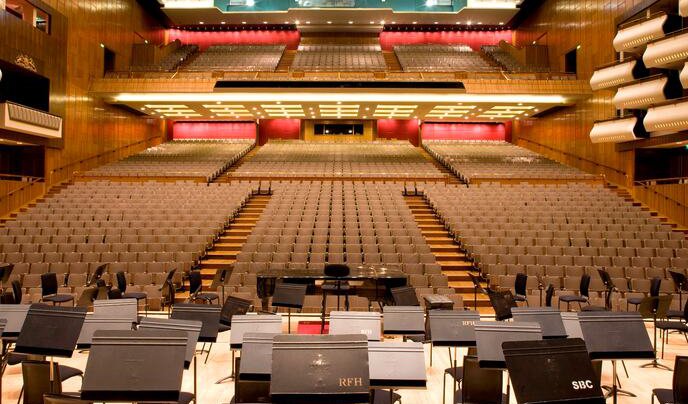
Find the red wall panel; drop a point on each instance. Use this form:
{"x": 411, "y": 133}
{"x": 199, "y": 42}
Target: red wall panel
{"x": 465, "y": 131}
{"x": 474, "y": 39}
{"x": 214, "y": 130}
{"x": 278, "y": 129}
{"x": 206, "y": 38}
{"x": 401, "y": 129}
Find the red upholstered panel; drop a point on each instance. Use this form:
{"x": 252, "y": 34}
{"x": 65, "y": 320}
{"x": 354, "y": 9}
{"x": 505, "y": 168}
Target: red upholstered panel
{"x": 401, "y": 129}
{"x": 474, "y": 39}
{"x": 278, "y": 129}
{"x": 214, "y": 130}
{"x": 206, "y": 38}
{"x": 465, "y": 131}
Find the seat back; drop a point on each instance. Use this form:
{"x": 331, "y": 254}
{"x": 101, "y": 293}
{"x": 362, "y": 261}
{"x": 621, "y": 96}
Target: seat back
{"x": 48, "y": 284}
{"x": 36, "y": 376}
{"x": 480, "y": 386}
{"x": 121, "y": 281}
{"x": 520, "y": 284}
{"x": 655, "y": 285}
{"x": 17, "y": 292}
{"x": 234, "y": 306}
{"x": 680, "y": 383}
{"x": 549, "y": 294}
{"x": 585, "y": 286}
{"x": 195, "y": 282}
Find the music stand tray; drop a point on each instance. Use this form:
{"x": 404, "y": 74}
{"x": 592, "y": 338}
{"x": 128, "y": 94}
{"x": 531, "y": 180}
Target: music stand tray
{"x": 395, "y": 365}
{"x": 207, "y": 314}
{"x": 502, "y": 302}
{"x": 190, "y": 327}
{"x": 118, "y": 308}
{"x": 256, "y": 352}
{"x": 319, "y": 369}
{"x": 350, "y": 322}
{"x": 438, "y": 302}
{"x": 290, "y": 295}
{"x": 142, "y": 365}
{"x": 253, "y": 323}
{"x": 571, "y": 324}
{"x": 549, "y": 319}
{"x": 50, "y": 330}
{"x": 552, "y": 371}
{"x": 15, "y": 314}
{"x": 491, "y": 335}
{"x": 94, "y": 322}
{"x": 403, "y": 320}
{"x": 615, "y": 335}
{"x": 453, "y": 328}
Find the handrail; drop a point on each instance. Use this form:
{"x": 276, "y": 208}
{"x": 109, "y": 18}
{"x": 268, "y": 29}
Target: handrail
{"x": 576, "y": 157}
{"x": 661, "y": 181}
{"x": 656, "y": 192}
{"x": 32, "y": 181}
{"x": 18, "y": 177}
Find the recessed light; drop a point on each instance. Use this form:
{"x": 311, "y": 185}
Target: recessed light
{"x": 102, "y": 45}
{"x": 501, "y": 23}
{"x": 372, "y": 22}
{"x": 339, "y": 103}
{"x": 469, "y": 23}
{"x": 414, "y": 23}
{"x": 212, "y": 116}
{"x": 520, "y": 104}
{"x": 145, "y": 41}
{"x": 329, "y": 22}
{"x": 435, "y": 22}
{"x": 218, "y": 102}
{"x": 297, "y": 22}
{"x": 279, "y": 102}
{"x": 286, "y": 22}
{"x": 394, "y": 22}
{"x": 265, "y": 22}
{"x": 382, "y": 22}
{"x": 201, "y": 22}
{"x": 308, "y": 22}
{"x": 223, "y": 23}
{"x": 458, "y": 22}
{"x": 243, "y": 22}
{"x": 480, "y": 23}
{"x": 351, "y": 22}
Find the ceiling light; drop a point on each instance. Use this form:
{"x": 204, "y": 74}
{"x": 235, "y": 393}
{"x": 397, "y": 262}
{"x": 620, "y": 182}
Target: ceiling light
{"x": 480, "y": 23}
{"x": 394, "y": 22}
{"x": 278, "y": 102}
{"x": 250, "y": 3}
{"x": 308, "y": 22}
{"x": 145, "y": 41}
{"x": 435, "y": 22}
{"x": 223, "y": 23}
{"x": 102, "y": 45}
{"x": 415, "y": 22}
{"x": 212, "y": 116}
{"x": 351, "y": 22}
{"x": 265, "y": 22}
{"x": 297, "y": 22}
{"x": 201, "y": 22}
{"x": 501, "y": 23}
{"x": 469, "y": 23}
{"x": 339, "y": 103}
{"x": 286, "y": 22}
{"x": 329, "y": 22}
{"x": 372, "y": 22}
{"x": 382, "y": 22}
{"x": 243, "y": 22}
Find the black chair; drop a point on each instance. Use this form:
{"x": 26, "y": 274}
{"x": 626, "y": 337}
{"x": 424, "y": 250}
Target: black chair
{"x": 666, "y": 326}
{"x": 455, "y": 372}
{"x": 122, "y": 286}
{"x": 680, "y": 285}
{"x": 520, "y": 288}
{"x": 195, "y": 289}
{"x": 49, "y": 290}
{"x": 17, "y": 292}
{"x": 168, "y": 290}
{"x": 582, "y": 297}
{"x": 36, "y": 376}
{"x": 480, "y": 386}
{"x": 337, "y": 287}
{"x": 549, "y": 294}
{"x": 678, "y": 394}
{"x": 655, "y": 283}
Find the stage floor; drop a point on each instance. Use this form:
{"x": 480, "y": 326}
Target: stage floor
{"x": 640, "y": 382}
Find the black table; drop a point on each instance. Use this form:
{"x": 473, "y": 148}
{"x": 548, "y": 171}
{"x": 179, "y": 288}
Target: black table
{"x": 377, "y": 276}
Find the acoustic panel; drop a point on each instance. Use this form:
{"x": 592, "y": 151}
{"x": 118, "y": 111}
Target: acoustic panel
{"x": 668, "y": 118}
{"x": 637, "y": 35}
{"x": 617, "y": 74}
{"x": 667, "y": 53}
{"x": 617, "y": 130}
{"x": 647, "y": 92}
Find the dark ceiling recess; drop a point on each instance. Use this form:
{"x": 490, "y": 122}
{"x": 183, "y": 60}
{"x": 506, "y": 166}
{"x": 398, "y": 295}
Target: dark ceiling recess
{"x": 251, "y": 27}
{"x": 527, "y": 8}
{"x": 154, "y": 9}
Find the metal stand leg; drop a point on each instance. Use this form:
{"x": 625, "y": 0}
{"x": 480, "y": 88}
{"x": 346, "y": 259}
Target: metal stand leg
{"x": 654, "y": 363}
{"x": 614, "y": 391}
{"x": 233, "y": 375}
{"x": 195, "y": 369}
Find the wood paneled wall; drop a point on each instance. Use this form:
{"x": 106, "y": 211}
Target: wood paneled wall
{"x": 563, "y": 135}
{"x": 70, "y": 56}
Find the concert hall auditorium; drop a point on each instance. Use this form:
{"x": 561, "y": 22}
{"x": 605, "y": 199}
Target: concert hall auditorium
{"x": 344, "y": 201}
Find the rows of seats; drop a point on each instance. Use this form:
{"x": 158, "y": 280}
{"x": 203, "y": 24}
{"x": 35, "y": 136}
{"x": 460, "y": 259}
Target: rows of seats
{"x": 508, "y": 62}
{"x": 143, "y": 229}
{"x": 204, "y": 159}
{"x": 250, "y": 58}
{"x": 389, "y": 159}
{"x": 472, "y": 160}
{"x": 306, "y": 225}
{"x": 171, "y": 61}
{"x": 339, "y": 58}
{"x": 441, "y": 58}
{"x": 557, "y": 233}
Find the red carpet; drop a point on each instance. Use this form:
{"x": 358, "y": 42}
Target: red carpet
{"x": 311, "y": 327}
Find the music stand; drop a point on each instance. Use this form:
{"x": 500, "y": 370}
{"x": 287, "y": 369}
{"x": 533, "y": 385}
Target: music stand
{"x": 207, "y": 314}
{"x": 250, "y": 323}
{"x": 655, "y": 307}
{"x": 571, "y": 324}
{"x": 477, "y": 287}
{"x": 192, "y": 330}
{"x": 94, "y": 322}
{"x": 319, "y": 369}
{"x": 396, "y": 365}
{"x": 5, "y": 272}
{"x": 502, "y": 302}
{"x": 118, "y": 308}
{"x": 50, "y": 331}
{"x": 681, "y": 285}
{"x": 404, "y": 296}
{"x": 615, "y": 336}
{"x": 134, "y": 366}
{"x": 552, "y": 371}
{"x": 361, "y": 322}
{"x": 609, "y": 288}
{"x": 255, "y": 369}
{"x": 549, "y": 319}
{"x": 453, "y": 329}
{"x": 438, "y": 302}
{"x": 15, "y": 315}
{"x": 490, "y": 335}
{"x": 403, "y": 320}
{"x": 220, "y": 278}
{"x": 291, "y": 296}
{"x": 3, "y": 322}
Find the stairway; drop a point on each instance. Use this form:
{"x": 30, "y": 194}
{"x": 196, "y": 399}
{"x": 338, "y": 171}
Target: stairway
{"x": 453, "y": 261}
{"x": 625, "y": 194}
{"x": 392, "y": 62}
{"x": 450, "y": 178}
{"x": 225, "y": 249}
{"x": 285, "y": 61}
{"x": 227, "y": 175}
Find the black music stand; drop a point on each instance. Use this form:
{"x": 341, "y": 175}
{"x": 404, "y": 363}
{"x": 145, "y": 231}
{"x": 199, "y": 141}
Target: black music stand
{"x": 489, "y": 336}
{"x": 571, "y": 324}
{"x": 477, "y": 287}
{"x": 438, "y": 302}
{"x": 681, "y": 285}
{"x": 119, "y": 308}
{"x": 609, "y": 288}
{"x": 250, "y": 323}
{"x": 15, "y": 315}
{"x": 255, "y": 369}
{"x": 291, "y": 296}
{"x": 192, "y": 330}
{"x": 208, "y": 314}
{"x": 94, "y": 322}
{"x": 615, "y": 336}
{"x": 404, "y": 296}
{"x": 396, "y": 365}
{"x": 5, "y": 272}
{"x": 502, "y": 302}
{"x": 655, "y": 307}
{"x": 50, "y": 331}
{"x": 552, "y": 371}
{"x": 549, "y": 319}
{"x": 319, "y": 369}
{"x": 453, "y": 329}
{"x": 403, "y": 320}
{"x": 134, "y": 366}
{"x": 356, "y": 322}
{"x": 220, "y": 278}
{"x": 3, "y": 322}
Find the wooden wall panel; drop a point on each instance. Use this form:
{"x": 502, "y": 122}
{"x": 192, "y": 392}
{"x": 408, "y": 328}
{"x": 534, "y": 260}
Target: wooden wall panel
{"x": 71, "y": 56}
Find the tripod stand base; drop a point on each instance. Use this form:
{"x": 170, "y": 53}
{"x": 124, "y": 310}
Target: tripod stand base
{"x": 610, "y": 392}
{"x": 656, "y": 365}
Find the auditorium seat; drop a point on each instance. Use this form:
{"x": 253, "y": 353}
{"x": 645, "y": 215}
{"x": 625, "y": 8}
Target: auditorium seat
{"x": 441, "y": 58}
